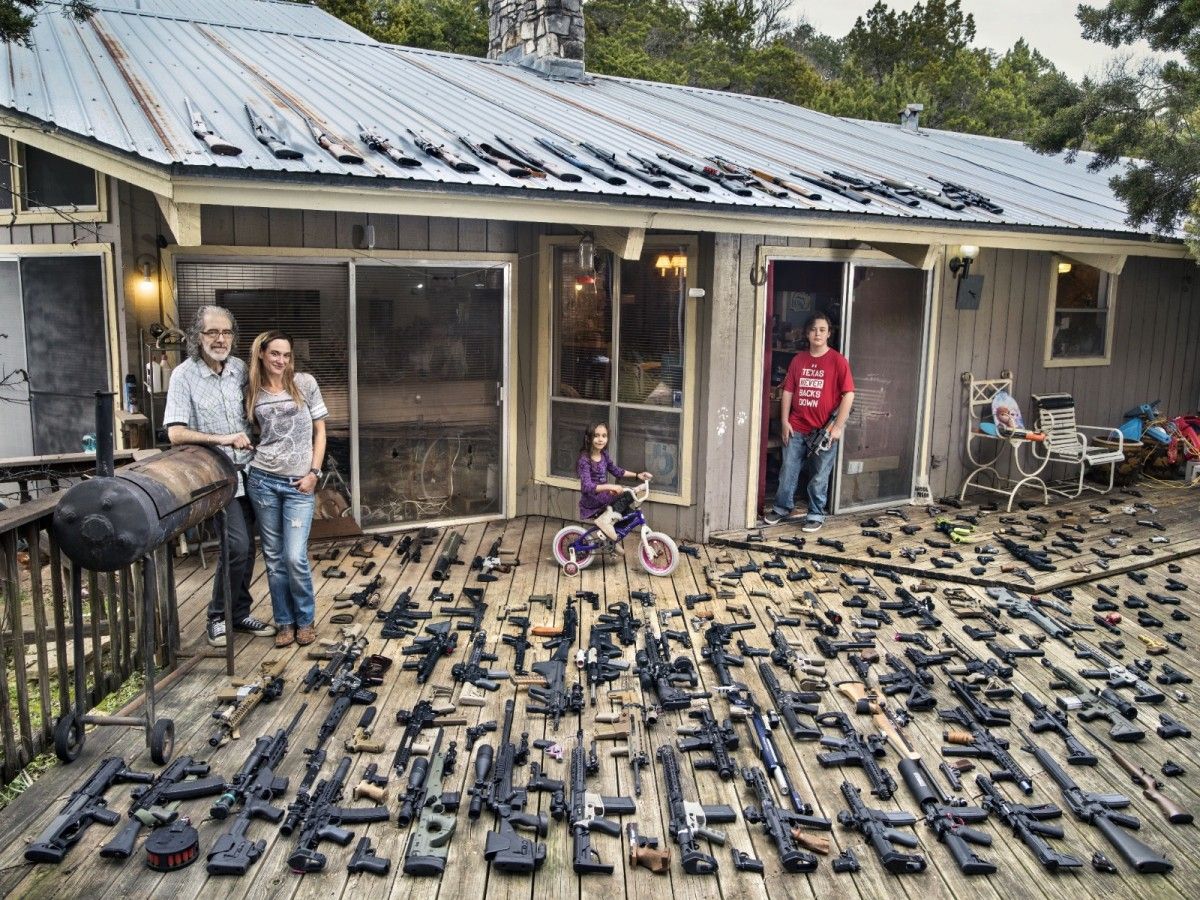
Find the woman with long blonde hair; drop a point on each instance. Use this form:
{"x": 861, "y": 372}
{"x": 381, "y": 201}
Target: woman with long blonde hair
{"x": 287, "y": 409}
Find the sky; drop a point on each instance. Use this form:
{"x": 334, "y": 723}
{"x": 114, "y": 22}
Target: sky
{"x": 1048, "y": 25}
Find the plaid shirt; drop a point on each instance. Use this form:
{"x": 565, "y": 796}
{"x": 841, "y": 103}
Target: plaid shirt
{"x": 209, "y": 402}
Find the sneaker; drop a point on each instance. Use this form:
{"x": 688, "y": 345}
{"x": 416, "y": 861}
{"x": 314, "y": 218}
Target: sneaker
{"x": 216, "y": 632}
{"x": 254, "y": 626}
{"x": 773, "y": 518}
{"x": 811, "y": 525}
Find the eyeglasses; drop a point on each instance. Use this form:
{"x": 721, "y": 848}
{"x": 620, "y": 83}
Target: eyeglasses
{"x": 213, "y": 333}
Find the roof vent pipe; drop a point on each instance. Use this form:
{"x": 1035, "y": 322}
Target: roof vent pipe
{"x": 910, "y": 116}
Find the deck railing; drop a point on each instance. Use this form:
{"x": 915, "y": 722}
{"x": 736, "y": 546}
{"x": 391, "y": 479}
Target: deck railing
{"x": 36, "y": 631}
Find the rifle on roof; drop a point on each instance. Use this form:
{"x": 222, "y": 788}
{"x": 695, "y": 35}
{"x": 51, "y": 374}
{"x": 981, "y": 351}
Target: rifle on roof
{"x": 710, "y": 172}
{"x": 377, "y": 142}
{"x": 507, "y": 168}
{"x": 738, "y": 173}
{"x": 859, "y": 183}
{"x": 530, "y": 169}
{"x": 834, "y": 188}
{"x": 653, "y": 168}
{"x": 333, "y": 145}
{"x": 790, "y": 185}
{"x": 924, "y": 193}
{"x": 968, "y": 196}
{"x": 565, "y": 154}
{"x": 439, "y": 151}
{"x": 528, "y": 158}
{"x": 656, "y": 181}
{"x": 203, "y": 129}
{"x": 271, "y": 138}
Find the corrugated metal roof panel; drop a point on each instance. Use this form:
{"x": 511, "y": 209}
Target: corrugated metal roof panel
{"x": 123, "y": 79}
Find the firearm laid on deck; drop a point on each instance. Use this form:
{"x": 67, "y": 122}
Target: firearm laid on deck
{"x": 715, "y": 738}
{"x": 435, "y": 813}
{"x": 555, "y": 699}
{"x": 1029, "y": 824}
{"x": 665, "y": 678}
{"x": 791, "y": 704}
{"x": 240, "y": 699}
{"x": 689, "y": 820}
{"x": 324, "y": 820}
{"x": 977, "y": 742}
{"x": 855, "y": 749}
{"x": 948, "y": 822}
{"x": 784, "y": 826}
{"x": 588, "y": 811}
{"x": 155, "y": 804}
{"x": 878, "y": 826}
{"x": 1151, "y": 786}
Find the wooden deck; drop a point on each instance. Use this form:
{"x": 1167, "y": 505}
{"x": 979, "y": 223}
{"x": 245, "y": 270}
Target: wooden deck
{"x": 189, "y": 701}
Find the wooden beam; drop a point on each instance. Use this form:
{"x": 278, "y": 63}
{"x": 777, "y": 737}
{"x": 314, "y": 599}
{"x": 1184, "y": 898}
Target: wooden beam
{"x": 919, "y": 256}
{"x": 625, "y": 242}
{"x": 183, "y": 219}
{"x": 1112, "y": 263}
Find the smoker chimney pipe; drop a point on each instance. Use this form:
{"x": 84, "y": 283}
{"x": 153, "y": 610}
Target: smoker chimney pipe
{"x": 105, "y": 458}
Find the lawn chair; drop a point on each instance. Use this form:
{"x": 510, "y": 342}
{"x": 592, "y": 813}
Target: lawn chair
{"x": 1066, "y": 443}
{"x": 986, "y": 445}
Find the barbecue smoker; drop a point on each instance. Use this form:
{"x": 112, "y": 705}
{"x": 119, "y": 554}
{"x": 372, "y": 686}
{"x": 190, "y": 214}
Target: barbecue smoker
{"x": 114, "y": 520}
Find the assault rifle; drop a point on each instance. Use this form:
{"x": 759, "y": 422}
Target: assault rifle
{"x": 324, "y": 821}
{"x": 519, "y": 642}
{"x": 434, "y": 812}
{"x": 909, "y": 606}
{"x": 555, "y": 700}
{"x": 716, "y": 639}
{"x": 296, "y": 809}
{"x": 423, "y": 715}
{"x": 441, "y": 641}
{"x": 662, "y": 678}
{"x": 782, "y": 826}
{"x": 1046, "y": 719}
{"x": 620, "y": 616}
{"x": 341, "y": 657}
{"x": 635, "y": 749}
{"x": 947, "y": 821}
{"x": 742, "y": 702}
{"x": 476, "y": 612}
{"x": 504, "y": 848}
{"x": 1029, "y": 824}
{"x": 597, "y": 661}
{"x": 1035, "y": 559}
{"x": 588, "y": 811}
{"x": 903, "y": 680}
{"x": 402, "y": 618}
{"x": 1092, "y": 704}
{"x": 367, "y": 595}
{"x": 869, "y": 186}
{"x": 932, "y": 196}
{"x": 471, "y": 672}
{"x": 239, "y": 700}
{"x": 967, "y": 196}
{"x": 537, "y": 164}
{"x": 1021, "y": 608}
{"x": 504, "y": 166}
{"x": 253, "y": 787}
{"x": 979, "y": 743}
{"x": 834, "y": 188}
{"x": 155, "y": 804}
{"x": 991, "y": 716}
{"x": 1099, "y": 810}
{"x": 712, "y": 173}
{"x": 650, "y": 167}
{"x": 853, "y": 749}
{"x": 690, "y": 820}
{"x": 790, "y": 704}
{"x": 714, "y": 738}
{"x": 1117, "y": 675}
{"x": 85, "y": 806}
{"x": 878, "y": 826}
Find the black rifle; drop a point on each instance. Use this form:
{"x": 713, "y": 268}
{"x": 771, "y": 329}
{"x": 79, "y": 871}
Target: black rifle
{"x": 830, "y": 648}
{"x": 712, "y": 173}
{"x": 781, "y": 825}
{"x": 967, "y": 196}
{"x": 991, "y": 716}
{"x": 1028, "y": 824}
{"x": 873, "y": 187}
{"x": 878, "y": 826}
{"x": 421, "y": 716}
{"x": 85, "y": 806}
{"x": 434, "y": 812}
{"x": 516, "y": 171}
{"x": 598, "y": 662}
{"x": 979, "y": 743}
{"x": 524, "y": 156}
{"x": 903, "y": 680}
{"x": 588, "y": 811}
{"x": 254, "y": 787}
{"x": 714, "y": 738}
{"x": 449, "y": 556}
{"x": 1035, "y": 559}
{"x": 297, "y": 809}
{"x": 743, "y": 702}
{"x": 323, "y": 821}
{"x": 612, "y": 161}
{"x": 440, "y": 642}
{"x": 620, "y": 616}
{"x": 650, "y": 167}
{"x": 834, "y": 188}
{"x": 973, "y": 665}
{"x": 155, "y": 804}
{"x": 947, "y": 821}
{"x": 519, "y": 642}
{"x": 1117, "y": 675}
{"x": 504, "y": 848}
{"x": 909, "y": 606}
{"x": 555, "y": 700}
{"x": 716, "y": 639}
{"x": 690, "y": 820}
{"x": 402, "y": 618}
{"x": 341, "y": 659}
{"x": 853, "y": 749}
{"x": 907, "y": 187}
{"x": 471, "y": 672}
{"x": 1046, "y": 719}
{"x": 790, "y": 704}
{"x": 563, "y": 153}
{"x": 1099, "y": 810}
{"x": 663, "y": 678}
{"x": 476, "y": 612}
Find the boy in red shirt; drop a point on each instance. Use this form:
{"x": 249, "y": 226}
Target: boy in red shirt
{"x": 818, "y": 386}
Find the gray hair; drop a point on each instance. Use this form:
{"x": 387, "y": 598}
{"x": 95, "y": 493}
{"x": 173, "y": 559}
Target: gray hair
{"x": 193, "y": 332}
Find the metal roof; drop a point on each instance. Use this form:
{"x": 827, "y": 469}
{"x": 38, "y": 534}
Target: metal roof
{"x": 123, "y": 79}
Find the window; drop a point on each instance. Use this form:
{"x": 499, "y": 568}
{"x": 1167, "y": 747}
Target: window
{"x": 619, "y": 351}
{"x": 42, "y": 188}
{"x": 1080, "y": 327}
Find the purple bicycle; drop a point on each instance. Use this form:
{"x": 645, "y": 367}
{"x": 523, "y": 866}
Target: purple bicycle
{"x": 576, "y": 546}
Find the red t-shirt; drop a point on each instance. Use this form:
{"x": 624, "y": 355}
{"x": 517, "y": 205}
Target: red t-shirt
{"x": 817, "y": 385}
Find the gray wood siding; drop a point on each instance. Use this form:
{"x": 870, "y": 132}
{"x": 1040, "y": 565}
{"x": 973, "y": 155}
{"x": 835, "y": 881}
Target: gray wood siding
{"x": 1154, "y": 354}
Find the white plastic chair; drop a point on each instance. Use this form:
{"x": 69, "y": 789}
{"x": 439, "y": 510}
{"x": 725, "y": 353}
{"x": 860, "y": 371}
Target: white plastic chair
{"x": 1067, "y": 443}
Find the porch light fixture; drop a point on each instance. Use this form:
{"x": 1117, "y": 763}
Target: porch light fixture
{"x": 968, "y": 288}
{"x": 962, "y": 263}
{"x": 587, "y": 253}
{"x": 1064, "y": 268}
{"x": 146, "y": 270}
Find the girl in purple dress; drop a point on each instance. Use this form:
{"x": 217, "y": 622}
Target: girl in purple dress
{"x": 597, "y": 503}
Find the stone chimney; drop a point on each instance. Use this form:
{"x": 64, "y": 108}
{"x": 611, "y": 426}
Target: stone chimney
{"x": 546, "y": 35}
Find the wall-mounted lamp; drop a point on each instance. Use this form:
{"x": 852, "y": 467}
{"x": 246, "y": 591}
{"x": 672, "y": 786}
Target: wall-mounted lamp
{"x": 663, "y": 263}
{"x": 1064, "y": 268}
{"x": 676, "y": 262}
{"x": 587, "y": 253}
{"x": 969, "y": 287}
{"x": 966, "y": 255}
{"x": 147, "y": 269}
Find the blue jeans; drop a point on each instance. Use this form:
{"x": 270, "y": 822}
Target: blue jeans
{"x": 795, "y": 456}
{"x": 284, "y": 517}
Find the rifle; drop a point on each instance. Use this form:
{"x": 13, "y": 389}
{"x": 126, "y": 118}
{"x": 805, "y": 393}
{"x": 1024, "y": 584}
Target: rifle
{"x": 948, "y": 821}
{"x": 238, "y": 702}
{"x": 742, "y": 702}
{"x": 504, "y": 166}
{"x": 1117, "y": 675}
{"x": 440, "y": 642}
{"x": 1028, "y": 824}
{"x": 587, "y": 814}
{"x": 662, "y": 678}
{"x": 932, "y": 196}
{"x": 254, "y": 787}
{"x": 519, "y": 642}
{"x": 402, "y": 617}
{"x": 203, "y": 129}
{"x": 331, "y": 144}
{"x": 878, "y": 826}
{"x": 992, "y": 716}
{"x": 716, "y": 639}
{"x": 909, "y": 605}
{"x": 597, "y": 661}
{"x": 650, "y": 167}
{"x": 869, "y": 186}
{"x": 341, "y": 655}
{"x": 449, "y": 556}
{"x": 1098, "y": 810}
{"x": 555, "y": 700}
{"x": 504, "y": 848}
{"x": 430, "y": 147}
{"x": 1021, "y": 608}
{"x": 377, "y": 142}
{"x": 1035, "y": 559}
{"x": 710, "y": 172}
{"x": 853, "y": 749}
{"x": 523, "y": 155}
{"x": 155, "y": 804}
{"x": 690, "y": 820}
{"x": 563, "y": 153}
{"x": 783, "y": 826}
{"x": 471, "y": 672}
{"x": 1046, "y": 719}
{"x": 367, "y": 595}
{"x": 620, "y": 616}
{"x": 531, "y": 170}
{"x": 270, "y": 138}
{"x": 834, "y": 188}
{"x": 1092, "y": 704}
{"x": 979, "y": 743}
{"x": 1151, "y": 786}
{"x": 744, "y": 176}
{"x": 789, "y": 704}
{"x": 297, "y": 809}
{"x": 434, "y": 812}
{"x": 85, "y": 806}
{"x": 423, "y": 715}
{"x": 611, "y": 160}
{"x": 903, "y": 680}
{"x": 967, "y": 196}
{"x": 717, "y": 739}
{"x": 324, "y": 821}
{"x": 635, "y": 749}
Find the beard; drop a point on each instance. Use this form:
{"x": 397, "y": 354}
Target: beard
{"x": 218, "y": 354}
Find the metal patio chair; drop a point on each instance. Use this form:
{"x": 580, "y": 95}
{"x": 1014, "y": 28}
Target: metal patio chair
{"x": 1027, "y": 466}
{"x": 1067, "y": 443}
